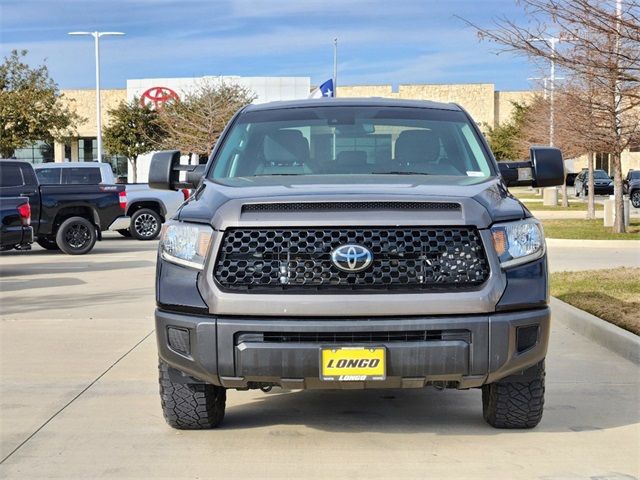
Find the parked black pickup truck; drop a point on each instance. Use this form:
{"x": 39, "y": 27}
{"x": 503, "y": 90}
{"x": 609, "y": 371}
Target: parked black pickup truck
{"x": 15, "y": 226}
{"x": 65, "y": 217}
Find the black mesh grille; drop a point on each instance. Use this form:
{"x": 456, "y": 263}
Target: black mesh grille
{"x": 354, "y": 337}
{"x": 442, "y": 258}
{"x": 337, "y": 206}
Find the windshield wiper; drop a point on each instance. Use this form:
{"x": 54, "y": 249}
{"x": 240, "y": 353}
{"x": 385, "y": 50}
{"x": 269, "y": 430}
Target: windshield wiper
{"x": 400, "y": 173}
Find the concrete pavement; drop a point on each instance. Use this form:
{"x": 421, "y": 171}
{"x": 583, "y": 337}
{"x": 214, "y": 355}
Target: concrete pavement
{"x": 573, "y": 255}
{"x": 79, "y": 399}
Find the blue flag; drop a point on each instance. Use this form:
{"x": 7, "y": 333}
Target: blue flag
{"x": 324, "y": 90}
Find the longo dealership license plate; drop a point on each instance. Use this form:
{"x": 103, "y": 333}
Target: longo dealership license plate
{"x": 355, "y": 364}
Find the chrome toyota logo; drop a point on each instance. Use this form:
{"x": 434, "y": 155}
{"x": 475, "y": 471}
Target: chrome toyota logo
{"x": 352, "y": 258}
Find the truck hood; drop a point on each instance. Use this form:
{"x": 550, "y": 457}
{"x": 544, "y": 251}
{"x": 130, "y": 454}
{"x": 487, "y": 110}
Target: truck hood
{"x": 487, "y": 196}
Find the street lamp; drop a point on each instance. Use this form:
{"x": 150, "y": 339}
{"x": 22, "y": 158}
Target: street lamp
{"x": 96, "y": 36}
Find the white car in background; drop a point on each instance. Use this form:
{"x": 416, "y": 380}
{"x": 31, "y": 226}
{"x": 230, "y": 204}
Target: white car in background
{"x": 146, "y": 209}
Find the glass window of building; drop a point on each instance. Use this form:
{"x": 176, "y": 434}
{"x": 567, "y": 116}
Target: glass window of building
{"x": 37, "y": 152}
{"x": 87, "y": 149}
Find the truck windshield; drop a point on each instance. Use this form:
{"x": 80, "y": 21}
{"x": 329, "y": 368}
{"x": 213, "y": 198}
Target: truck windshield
{"x": 344, "y": 140}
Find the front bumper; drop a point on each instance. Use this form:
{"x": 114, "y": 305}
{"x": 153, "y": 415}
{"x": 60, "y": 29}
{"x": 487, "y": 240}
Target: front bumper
{"x": 232, "y": 351}
{"x": 602, "y": 190}
{"x": 120, "y": 223}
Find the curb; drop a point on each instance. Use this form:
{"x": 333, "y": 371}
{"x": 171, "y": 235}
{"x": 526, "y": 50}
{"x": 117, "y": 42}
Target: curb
{"x": 610, "y": 336}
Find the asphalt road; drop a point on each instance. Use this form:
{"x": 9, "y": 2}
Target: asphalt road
{"x": 79, "y": 398}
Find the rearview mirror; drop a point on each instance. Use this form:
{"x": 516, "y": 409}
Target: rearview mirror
{"x": 544, "y": 169}
{"x": 164, "y": 173}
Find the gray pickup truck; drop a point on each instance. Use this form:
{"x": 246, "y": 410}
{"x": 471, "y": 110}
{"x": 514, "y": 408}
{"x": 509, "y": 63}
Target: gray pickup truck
{"x": 353, "y": 243}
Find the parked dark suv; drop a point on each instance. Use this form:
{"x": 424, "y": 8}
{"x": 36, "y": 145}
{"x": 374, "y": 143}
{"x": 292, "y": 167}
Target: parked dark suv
{"x": 346, "y": 243}
{"x": 602, "y": 183}
{"x": 631, "y": 187}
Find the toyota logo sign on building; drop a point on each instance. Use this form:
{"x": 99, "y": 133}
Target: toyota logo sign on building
{"x": 156, "y": 97}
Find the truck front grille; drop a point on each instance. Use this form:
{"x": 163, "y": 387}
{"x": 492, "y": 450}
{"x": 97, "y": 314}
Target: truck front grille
{"x": 299, "y": 259}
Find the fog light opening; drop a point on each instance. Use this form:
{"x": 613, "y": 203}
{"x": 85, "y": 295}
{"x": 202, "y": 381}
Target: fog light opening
{"x": 179, "y": 340}
{"x": 526, "y": 337}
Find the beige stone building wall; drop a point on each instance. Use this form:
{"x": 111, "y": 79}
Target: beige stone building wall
{"x": 477, "y": 99}
{"x": 83, "y": 102}
{"x": 503, "y": 103}
{"x": 385, "y": 91}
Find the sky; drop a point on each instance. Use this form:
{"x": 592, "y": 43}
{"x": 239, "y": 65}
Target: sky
{"x": 380, "y": 41}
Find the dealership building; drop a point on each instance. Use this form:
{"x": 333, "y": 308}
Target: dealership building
{"x": 486, "y": 105}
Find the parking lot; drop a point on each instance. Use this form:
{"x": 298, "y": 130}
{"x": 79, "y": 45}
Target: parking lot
{"x": 80, "y": 396}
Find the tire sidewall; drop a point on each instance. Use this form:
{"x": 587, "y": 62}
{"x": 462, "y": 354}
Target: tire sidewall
{"x": 635, "y": 199}
{"x": 64, "y": 244}
{"x": 145, "y": 211}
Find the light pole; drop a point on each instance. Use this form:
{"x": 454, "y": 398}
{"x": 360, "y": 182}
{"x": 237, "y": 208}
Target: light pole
{"x": 335, "y": 67}
{"x": 96, "y": 36}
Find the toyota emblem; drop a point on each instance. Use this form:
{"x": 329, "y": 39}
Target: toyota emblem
{"x": 158, "y": 96}
{"x": 352, "y": 258}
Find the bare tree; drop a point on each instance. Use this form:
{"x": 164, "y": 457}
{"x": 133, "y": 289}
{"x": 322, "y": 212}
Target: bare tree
{"x": 601, "y": 54}
{"x": 574, "y": 122}
{"x": 194, "y": 124}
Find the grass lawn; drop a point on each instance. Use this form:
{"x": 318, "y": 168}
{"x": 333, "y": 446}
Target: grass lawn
{"x": 588, "y": 230}
{"x": 573, "y": 207}
{"x": 613, "y": 295}
{"x": 528, "y": 196}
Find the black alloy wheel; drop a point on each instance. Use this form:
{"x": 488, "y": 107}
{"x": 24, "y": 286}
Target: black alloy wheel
{"x": 76, "y": 236}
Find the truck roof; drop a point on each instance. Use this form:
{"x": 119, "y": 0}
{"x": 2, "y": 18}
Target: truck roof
{"x": 351, "y": 102}
{"x": 71, "y": 165}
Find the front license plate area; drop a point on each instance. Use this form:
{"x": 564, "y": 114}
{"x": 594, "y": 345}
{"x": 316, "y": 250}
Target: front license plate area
{"x": 353, "y": 364}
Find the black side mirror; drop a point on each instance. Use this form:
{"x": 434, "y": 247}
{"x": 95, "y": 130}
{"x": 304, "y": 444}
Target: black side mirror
{"x": 164, "y": 173}
{"x": 548, "y": 166}
{"x": 544, "y": 169}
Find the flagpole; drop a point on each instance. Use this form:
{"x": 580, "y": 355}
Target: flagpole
{"x": 335, "y": 67}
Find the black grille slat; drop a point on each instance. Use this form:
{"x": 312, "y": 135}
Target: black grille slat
{"x": 412, "y": 258}
{"x": 354, "y": 337}
{"x": 348, "y": 206}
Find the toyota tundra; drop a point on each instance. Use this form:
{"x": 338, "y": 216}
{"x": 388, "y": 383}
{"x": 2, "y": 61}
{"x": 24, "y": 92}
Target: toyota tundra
{"x": 352, "y": 243}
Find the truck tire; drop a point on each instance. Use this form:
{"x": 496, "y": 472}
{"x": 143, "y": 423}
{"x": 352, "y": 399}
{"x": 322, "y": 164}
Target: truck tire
{"x": 48, "y": 242}
{"x": 635, "y": 199}
{"x": 190, "y": 406}
{"x": 145, "y": 224}
{"x": 125, "y": 232}
{"x": 515, "y": 404}
{"x": 76, "y": 236}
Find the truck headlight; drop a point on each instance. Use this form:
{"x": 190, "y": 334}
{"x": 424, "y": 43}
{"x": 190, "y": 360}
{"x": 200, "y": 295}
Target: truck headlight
{"x": 185, "y": 244}
{"x": 518, "y": 242}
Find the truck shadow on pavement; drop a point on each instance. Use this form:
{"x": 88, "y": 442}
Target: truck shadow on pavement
{"x": 48, "y": 303}
{"x": 449, "y": 412}
{"x": 17, "y": 285}
{"x": 81, "y": 266}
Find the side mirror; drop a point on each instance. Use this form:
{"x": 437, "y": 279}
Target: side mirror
{"x": 544, "y": 169}
{"x": 164, "y": 173}
{"x": 194, "y": 177}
